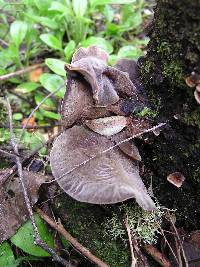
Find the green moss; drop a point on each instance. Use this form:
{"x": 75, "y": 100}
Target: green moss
{"x": 86, "y": 223}
{"x": 192, "y": 118}
{"x": 173, "y": 71}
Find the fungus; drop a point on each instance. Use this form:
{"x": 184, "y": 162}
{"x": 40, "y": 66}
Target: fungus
{"x": 82, "y": 160}
{"x": 107, "y": 178}
{"x": 176, "y": 179}
{"x": 106, "y": 82}
{"x": 107, "y": 126}
{"x": 197, "y": 96}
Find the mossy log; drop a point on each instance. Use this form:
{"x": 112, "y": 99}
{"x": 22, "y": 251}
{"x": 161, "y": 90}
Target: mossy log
{"x": 173, "y": 54}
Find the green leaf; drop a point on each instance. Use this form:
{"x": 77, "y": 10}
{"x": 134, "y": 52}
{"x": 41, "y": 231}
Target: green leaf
{"x": 52, "y": 82}
{"x": 57, "y": 6}
{"x": 48, "y": 104}
{"x": 69, "y": 50}
{"x": 50, "y": 23}
{"x": 42, "y": 5}
{"x": 7, "y": 258}
{"x": 79, "y": 7}
{"x": 95, "y": 3}
{"x": 24, "y": 240}
{"x": 51, "y": 41}
{"x": 17, "y": 116}
{"x": 100, "y": 42}
{"x": 18, "y": 30}
{"x": 27, "y": 87}
{"x": 50, "y": 114}
{"x": 130, "y": 51}
{"x": 56, "y": 66}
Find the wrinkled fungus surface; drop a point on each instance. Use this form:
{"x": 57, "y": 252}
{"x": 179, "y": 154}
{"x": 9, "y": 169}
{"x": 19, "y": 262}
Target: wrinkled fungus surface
{"x": 83, "y": 159}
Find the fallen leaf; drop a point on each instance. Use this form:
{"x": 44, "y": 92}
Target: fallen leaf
{"x": 107, "y": 126}
{"x": 13, "y": 211}
{"x": 108, "y": 178}
{"x": 34, "y": 76}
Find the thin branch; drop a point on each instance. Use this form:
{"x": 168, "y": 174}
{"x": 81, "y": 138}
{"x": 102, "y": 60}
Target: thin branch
{"x": 32, "y": 127}
{"x": 109, "y": 149}
{"x": 175, "y": 257}
{"x": 133, "y": 259}
{"x": 37, "y": 238}
{"x": 179, "y": 241}
{"x": 35, "y": 109}
{"x": 59, "y": 227}
{"x": 6, "y": 153}
{"x": 11, "y": 171}
{"x": 20, "y": 72}
{"x": 26, "y": 197}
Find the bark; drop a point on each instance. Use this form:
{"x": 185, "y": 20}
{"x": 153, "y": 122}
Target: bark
{"x": 173, "y": 53}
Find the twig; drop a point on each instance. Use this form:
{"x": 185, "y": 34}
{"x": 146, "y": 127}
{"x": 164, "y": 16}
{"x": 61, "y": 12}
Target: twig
{"x": 19, "y": 72}
{"x": 59, "y": 227}
{"x": 37, "y": 238}
{"x": 175, "y": 257}
{"x": 32, "y": 127}
{"x": 8, "y": 154}
{"x": 12, "y": 171}
{"x": 157, "y": 255}
{"x": 35, "y": 109}
{"x": 179, "y": 241}
{"x": 109, "y": 149}
{"x": 3, "y": 43}
{"x": 133, "y": 259}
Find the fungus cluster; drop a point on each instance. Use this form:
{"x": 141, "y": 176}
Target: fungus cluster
{"x": 96, "y": 113}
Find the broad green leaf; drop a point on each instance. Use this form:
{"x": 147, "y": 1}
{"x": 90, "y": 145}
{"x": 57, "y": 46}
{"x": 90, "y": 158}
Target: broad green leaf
{"x": 18, "y": 30}
{"x": 27, "y": 87}
{"x": 99, "y": 41}
{"x": 7, "y": 258}
{"x": 51, "y": 41}
{"x": 69, "y": 50}
{"x": 79, "y": 7}
{"x": 33, "y": 140}
{"x": 50, "y": 23}
{"x": 95, "y": 3}
{"x": 52, "y": 82}
{"x": 48, "y": 103}
{"x": 42, "y": 5}
{"x": 130, "y": 51}
{"x": 50, "y": 114}
{"x": 23, "y": 239}
{"x": 56, "y": 65}
{"x": 17, "y": 116}
{"x": 57, "y": 6}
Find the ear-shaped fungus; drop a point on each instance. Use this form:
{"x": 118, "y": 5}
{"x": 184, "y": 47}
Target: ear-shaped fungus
{"x": 106, "y": 82}
{"x": 108, "y": 178}
{"x": 78, "y": 103}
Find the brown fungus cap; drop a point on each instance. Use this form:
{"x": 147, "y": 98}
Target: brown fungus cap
{"x": 78, "y": 103}
{"x": 108, "y": 178}
{"x": 106, "y": 82}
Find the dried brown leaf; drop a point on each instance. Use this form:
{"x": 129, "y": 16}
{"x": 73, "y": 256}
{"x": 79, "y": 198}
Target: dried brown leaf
{"x": 13, "y": 212}
{"x": 108, "y": 178}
